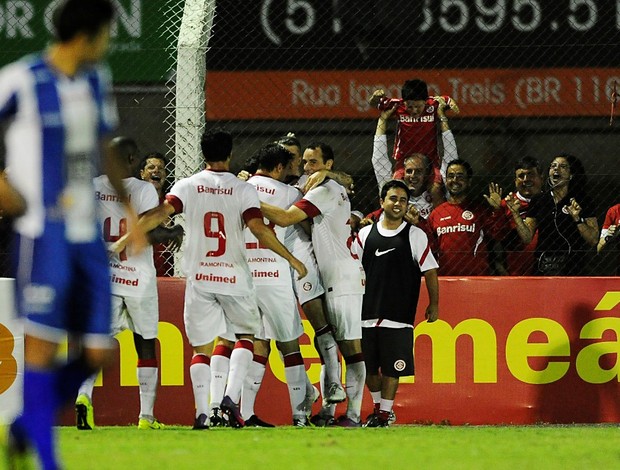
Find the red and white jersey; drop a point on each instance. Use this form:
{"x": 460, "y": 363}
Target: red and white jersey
{"x": 217, "y": 204}
{"x": 459, "y": 232}
{"x": 130, "y": 274}
{"x": 329, "y": 208}
{"x": 267, "y": 267}
{"x": 416, "y": 134}
{"x": 611, "y": 218}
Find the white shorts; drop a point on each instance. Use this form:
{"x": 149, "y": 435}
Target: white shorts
{"x": 209, "y": 315}
{"x": 279, "y": 312}
{"x": 138, "y": 314}
{"x": 344, "y": 313}
{"x": 310, "y": 287}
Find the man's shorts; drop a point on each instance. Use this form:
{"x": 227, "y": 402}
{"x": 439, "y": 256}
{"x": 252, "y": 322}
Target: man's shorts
{"x": 389, "y": 350}
{"x": 208, "y": 315}
{"x": 138, "y": 314}
{"x": 309, "y": 287}
{"x": 279, "y": 313}
{"x": 344, "y": 314}
{"x": 64, "y": 287}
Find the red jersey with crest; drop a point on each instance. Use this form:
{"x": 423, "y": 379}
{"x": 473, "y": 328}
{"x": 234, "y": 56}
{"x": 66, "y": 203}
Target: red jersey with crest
{"x": 611, "y": 218}
{"x": 415, "y": 134}
{"x": 460, "y": 235}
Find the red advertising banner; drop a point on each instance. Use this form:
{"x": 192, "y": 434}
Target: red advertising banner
{"x": 344, "y": 94}
{"x": 506, "y": 350}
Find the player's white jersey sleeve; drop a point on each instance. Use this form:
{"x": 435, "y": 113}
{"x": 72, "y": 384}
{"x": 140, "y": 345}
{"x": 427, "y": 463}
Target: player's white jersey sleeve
{"x": 267, "y": 267}
{"x": 130, "y": 274}
{"x": 420, "y": 249}
{"x": 329, "y": 207}
{"x": 359, "y": 242}
{"x": 216, "y": 205}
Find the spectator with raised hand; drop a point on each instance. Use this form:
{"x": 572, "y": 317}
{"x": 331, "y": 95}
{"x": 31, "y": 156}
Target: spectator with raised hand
{"x": 519, "y": 257}
{"x": 461, "y": 226}
{"x": 418, "y": 171}
{"x": 417, "y": 114}
{"x": 566, "y": 223}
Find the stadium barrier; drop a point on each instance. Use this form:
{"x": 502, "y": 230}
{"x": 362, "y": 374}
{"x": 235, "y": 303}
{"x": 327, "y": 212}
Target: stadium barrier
{"x": 505, "y": 351}
{"x": 11, "y": 354}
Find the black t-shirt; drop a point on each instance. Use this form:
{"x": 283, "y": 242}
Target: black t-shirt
{"x": 557, "y": 231}
{"x": 393, "y": 278}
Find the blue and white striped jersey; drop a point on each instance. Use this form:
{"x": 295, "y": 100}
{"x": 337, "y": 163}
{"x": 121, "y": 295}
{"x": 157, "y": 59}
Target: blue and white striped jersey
{"x": 55, "y": 127}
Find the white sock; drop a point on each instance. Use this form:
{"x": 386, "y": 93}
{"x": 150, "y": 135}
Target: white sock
{"x": 147, "y": 378}
{"x": 328, "y": 348}
{"x": 200, "y": 374}
{"x": 251, "y": 385}
{"x": 386, "y": 405}
{"x": 326, "y": 408}
{"x": 87, "y": 386}
{"x": 376, "y": 397}
{"x": 355, "y": 380}
{"x": 295, "y": 373}
{"x": 219, "y": 376}
{"x": 240, "y": 361}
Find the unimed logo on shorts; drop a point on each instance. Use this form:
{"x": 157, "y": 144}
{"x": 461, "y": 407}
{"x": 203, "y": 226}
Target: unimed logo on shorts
{"x": 8, "y": 363}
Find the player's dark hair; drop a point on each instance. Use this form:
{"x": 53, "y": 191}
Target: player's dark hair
{"x": 125, "y": 147}
{"x": 269, "y": 156}
{"x": 328, "y": 152}
{"x": 528, "y": 163}
{"x": 395, "y": 184}
{"x": 289, "y": 139}
{"x": 216, "y": 145}
{"x": 578, "y": 180}
{"x": 81, "y": 16}
{"x": 468, "y": 169}
{"x": 155, "y": 155}
{"x": 415, "y": 90}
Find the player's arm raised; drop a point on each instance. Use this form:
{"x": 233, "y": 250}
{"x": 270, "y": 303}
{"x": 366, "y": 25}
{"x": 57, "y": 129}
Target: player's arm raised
{"x": 147, "y": 222}
{"x": 268, "y": 238}
{"x": 283, "y": 217}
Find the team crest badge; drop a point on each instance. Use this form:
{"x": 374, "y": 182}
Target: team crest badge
{"x": 400, "y": 365}
{"x": 468, "y": 215}
{"x": 307, "y": 286}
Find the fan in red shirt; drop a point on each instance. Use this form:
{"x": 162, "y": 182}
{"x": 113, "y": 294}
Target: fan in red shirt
{"x": 520, "y": 258}
{"x": 461, "y": 226}
{"x": 417, "y": 127}
{"x": 610, "y": 231}
{"x": 153, "y": 169}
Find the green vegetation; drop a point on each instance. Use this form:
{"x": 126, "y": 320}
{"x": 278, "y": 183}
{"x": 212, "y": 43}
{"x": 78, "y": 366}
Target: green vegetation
{"x": 421, "y": 447}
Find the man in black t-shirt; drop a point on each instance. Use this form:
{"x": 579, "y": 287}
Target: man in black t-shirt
{"x": 395, "y": 255}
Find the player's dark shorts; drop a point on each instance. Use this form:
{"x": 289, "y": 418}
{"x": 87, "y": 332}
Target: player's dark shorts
{"x": 388, "y": 349}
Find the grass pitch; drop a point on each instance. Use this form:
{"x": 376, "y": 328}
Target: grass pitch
{"x": 420, "y": 447}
